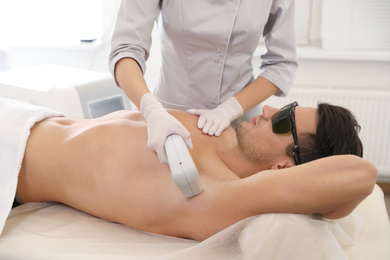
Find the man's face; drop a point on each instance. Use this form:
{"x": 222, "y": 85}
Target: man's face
{"x": 258, "y": 142}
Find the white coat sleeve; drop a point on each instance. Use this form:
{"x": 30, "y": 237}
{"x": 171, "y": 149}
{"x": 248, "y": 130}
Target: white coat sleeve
{"x": 279, "y": 62}
{"x": 132, "y": 33}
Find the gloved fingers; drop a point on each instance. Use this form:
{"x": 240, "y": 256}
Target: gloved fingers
{"x": 212, "y": 122}
{"x": 186, "y": 135}
{"x": 206, "y": 121}
{"x": 217, "y": 130}
{"x": 202, "y": 122}
{"x": 214, "y": 128}
{"x": 188, "y": 141}
{"x": 162, "y": 155}
{"x": 159, "y": 128}
{"x": 156, "y": 143}
{"x": 161, "y": 124}
{"x": 207, "y": 126}
{"x": 198, "y": 112}
{"x": 220, "y": 129}
{"x": 217, "y": 127}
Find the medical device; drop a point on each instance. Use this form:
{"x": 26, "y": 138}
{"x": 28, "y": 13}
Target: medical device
{"x": 183, "y": 169}
{"x": 76, "y": 92}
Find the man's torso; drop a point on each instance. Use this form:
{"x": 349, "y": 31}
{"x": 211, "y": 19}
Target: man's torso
{"x": 103, "y": 167}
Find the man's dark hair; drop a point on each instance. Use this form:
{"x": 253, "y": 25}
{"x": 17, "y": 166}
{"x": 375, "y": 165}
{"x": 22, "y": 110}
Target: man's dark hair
{"x": 337, "y": 133}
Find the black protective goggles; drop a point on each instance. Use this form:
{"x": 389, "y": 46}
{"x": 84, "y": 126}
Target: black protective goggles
{"x": 283, "y": 123}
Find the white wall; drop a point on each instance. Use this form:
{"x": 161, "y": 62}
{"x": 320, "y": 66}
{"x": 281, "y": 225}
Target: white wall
{"x": 91, "y": 56}
{"x": 338, "y": 68}
{"x": 318, "y": 67}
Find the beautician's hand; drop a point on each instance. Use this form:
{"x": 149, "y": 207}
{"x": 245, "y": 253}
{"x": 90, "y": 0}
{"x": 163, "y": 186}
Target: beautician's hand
{"x": 160, "y": 125}
{"x": 214, "y": 121}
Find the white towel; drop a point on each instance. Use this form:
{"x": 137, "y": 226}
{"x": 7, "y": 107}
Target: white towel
{"x": 16, "y": 119}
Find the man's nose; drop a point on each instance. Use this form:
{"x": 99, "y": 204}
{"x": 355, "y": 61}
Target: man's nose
{"x": 269, "y": 111}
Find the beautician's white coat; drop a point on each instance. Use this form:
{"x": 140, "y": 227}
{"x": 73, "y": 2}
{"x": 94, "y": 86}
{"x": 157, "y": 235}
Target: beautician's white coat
{"x": 207, "y": 46}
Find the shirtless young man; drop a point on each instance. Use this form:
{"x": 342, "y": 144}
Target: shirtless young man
{"x": 103, "y": 167}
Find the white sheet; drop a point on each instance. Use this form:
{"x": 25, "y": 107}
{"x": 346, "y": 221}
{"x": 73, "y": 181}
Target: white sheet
{"x": 374, "y": 243}
{"x": 55, "y": 231}
{"x": 16, "y": 119}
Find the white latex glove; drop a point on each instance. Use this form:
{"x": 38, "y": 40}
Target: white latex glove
{"x": 160, "y": 125}
{"x": 214, "y": 121}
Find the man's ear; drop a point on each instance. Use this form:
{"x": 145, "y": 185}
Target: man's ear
{"x": 282, "y": 164}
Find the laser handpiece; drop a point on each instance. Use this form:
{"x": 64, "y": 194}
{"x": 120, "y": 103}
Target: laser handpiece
{"x": 182, "y": 166}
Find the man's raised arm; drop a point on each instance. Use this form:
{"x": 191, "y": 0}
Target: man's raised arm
{"x": 331, "y": 186}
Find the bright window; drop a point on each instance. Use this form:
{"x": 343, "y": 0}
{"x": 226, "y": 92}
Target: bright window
{"x": 355, "y": 24}
{"x": 50, "y": 22}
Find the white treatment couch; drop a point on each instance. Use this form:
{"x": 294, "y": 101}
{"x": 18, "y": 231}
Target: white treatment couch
{"x": 55, "y": 231}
